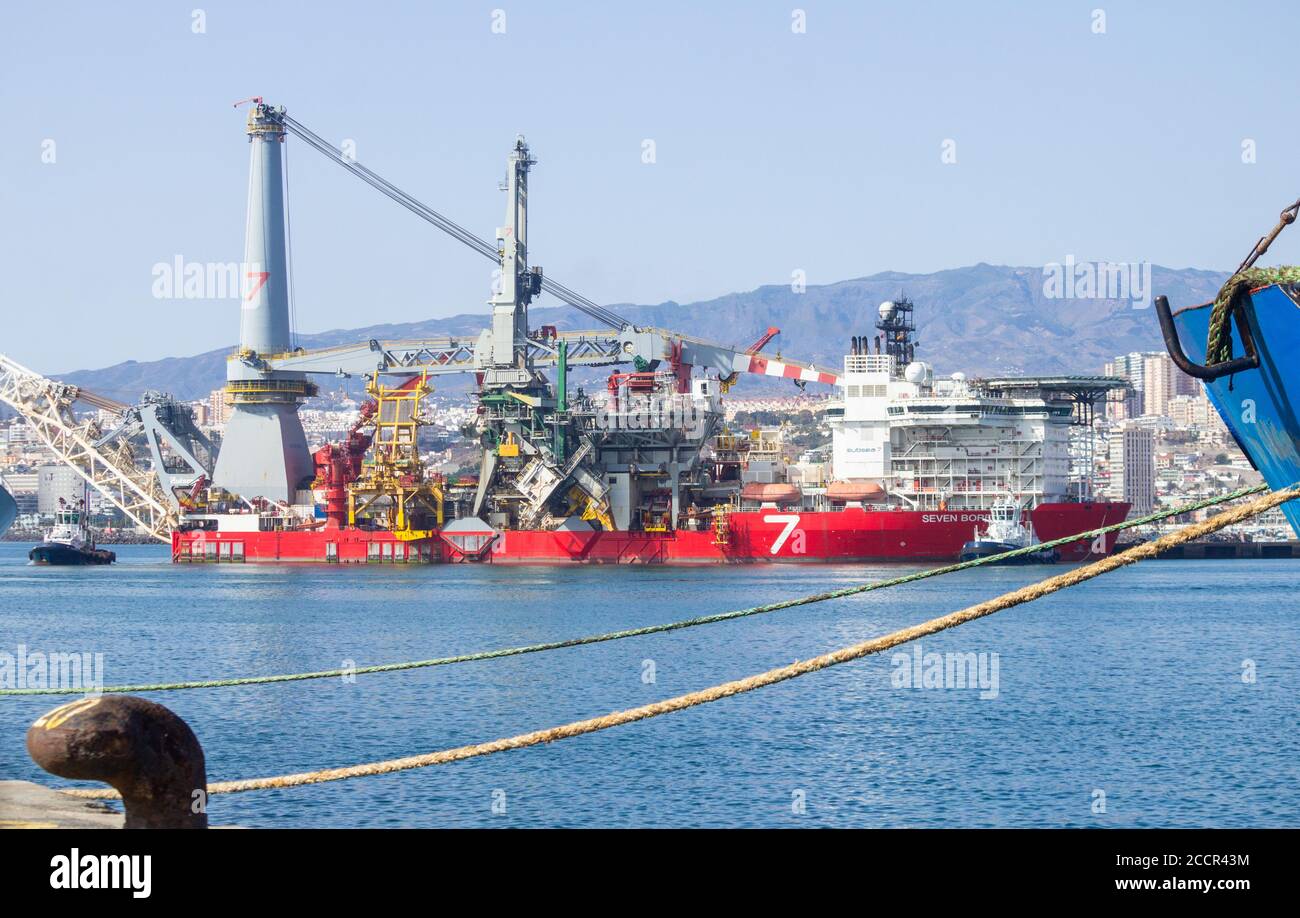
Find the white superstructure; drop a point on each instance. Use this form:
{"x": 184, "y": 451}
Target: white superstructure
{"x": 70, "y": 527}
{"x": 948, "y": 443}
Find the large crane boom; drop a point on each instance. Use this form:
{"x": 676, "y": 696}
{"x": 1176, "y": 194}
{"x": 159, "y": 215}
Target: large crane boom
{"x": 442, "y": 356}
{"x": 108, "y": 466}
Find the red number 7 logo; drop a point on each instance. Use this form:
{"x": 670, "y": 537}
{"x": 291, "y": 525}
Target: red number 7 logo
{"x": 261, "y": 279}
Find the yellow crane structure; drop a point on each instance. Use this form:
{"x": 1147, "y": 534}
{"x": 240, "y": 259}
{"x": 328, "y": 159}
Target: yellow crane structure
{"x": 392, "y": 488}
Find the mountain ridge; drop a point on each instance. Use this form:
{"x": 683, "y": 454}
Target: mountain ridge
{"x": 982, "y": 319}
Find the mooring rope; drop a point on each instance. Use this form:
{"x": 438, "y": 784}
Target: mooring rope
{"x": 1089, "y": 535}
{"x": 760, "y": 680}
{"x": 1218, "y": 346}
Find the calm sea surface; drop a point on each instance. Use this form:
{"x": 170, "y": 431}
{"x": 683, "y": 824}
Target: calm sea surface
{"x": 1129, "y": 686}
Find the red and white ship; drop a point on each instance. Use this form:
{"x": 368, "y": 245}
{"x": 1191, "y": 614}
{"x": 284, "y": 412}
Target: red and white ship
{"x": 643, "y": 471}
{"x": 913, "y": 469}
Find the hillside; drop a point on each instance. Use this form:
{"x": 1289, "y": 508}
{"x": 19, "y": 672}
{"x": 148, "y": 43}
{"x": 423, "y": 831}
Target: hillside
{"x": 983, "y": 319}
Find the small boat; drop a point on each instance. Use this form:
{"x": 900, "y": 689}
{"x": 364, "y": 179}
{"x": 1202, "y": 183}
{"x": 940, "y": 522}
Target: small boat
{"x": 70, "y": 542}
{"x": 1256, "y": 316}
{"x": 1004, "y": 533}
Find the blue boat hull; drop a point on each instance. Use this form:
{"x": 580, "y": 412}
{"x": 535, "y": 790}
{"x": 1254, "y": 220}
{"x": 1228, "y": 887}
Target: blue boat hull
{"x": 985, "y": 548}
{"x": 1259, "y": 405}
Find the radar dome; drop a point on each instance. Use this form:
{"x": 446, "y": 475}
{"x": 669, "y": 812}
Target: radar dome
{"x": 916, "y": 372}
{"x": 887, "y": 310}
{"x": 959, "y": 376}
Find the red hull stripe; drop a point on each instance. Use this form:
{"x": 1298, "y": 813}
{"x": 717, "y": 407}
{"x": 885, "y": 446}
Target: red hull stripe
{"x": 754, "y": 536}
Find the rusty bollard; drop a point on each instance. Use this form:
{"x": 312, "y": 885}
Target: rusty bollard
{"x": 147, "y": 753}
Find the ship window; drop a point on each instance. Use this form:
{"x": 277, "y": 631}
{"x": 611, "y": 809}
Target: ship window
{"x": 237, "y": 551}
{"x": 331, "y": 551}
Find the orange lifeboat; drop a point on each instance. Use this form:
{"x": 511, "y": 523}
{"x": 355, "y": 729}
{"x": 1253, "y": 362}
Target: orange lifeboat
{"x": 855, "y": 491}
{"x": 771, "y": 493}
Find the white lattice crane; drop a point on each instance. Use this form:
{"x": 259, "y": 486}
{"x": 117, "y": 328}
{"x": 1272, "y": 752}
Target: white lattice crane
{"x": 109, "y": 467}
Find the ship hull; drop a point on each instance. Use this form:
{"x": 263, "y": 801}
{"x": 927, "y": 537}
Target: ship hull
{"x": 750, "y": 537}
{"x": 984, "y": 548}
{"x": 1259, "y": 406}
{"x": 324, "y": 546}
{"x": 54, "y": 553}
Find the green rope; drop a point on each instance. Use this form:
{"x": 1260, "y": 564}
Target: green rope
{"x": 657, "y": 629}
{"x": 1218, "y": 346}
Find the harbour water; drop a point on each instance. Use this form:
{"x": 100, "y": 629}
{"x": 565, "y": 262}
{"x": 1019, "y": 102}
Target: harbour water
{"x": 1158, "y": 695}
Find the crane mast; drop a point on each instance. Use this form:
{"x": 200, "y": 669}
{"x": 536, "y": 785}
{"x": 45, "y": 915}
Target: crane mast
{"x": 264, "y": 452}
{"x": 507, "y": 362}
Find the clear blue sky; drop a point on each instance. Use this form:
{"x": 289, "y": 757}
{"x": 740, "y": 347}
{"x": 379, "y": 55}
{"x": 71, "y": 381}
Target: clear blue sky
{"x": 775, "y": 151}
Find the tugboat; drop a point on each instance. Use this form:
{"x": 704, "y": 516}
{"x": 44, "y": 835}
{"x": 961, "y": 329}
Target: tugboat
{"x": 70, "y": 542}
{"x": 1004, "y": 533}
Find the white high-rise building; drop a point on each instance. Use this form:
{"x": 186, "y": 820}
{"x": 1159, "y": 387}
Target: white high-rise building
{"x": 1157, "y": 384}
{"x": 1154, "y": 380}
{"x": 1133, "y": 467}
{"x": 218, "y": 408}
{"x": 57, "y": 481}
{"x": 1127, "y": 403}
